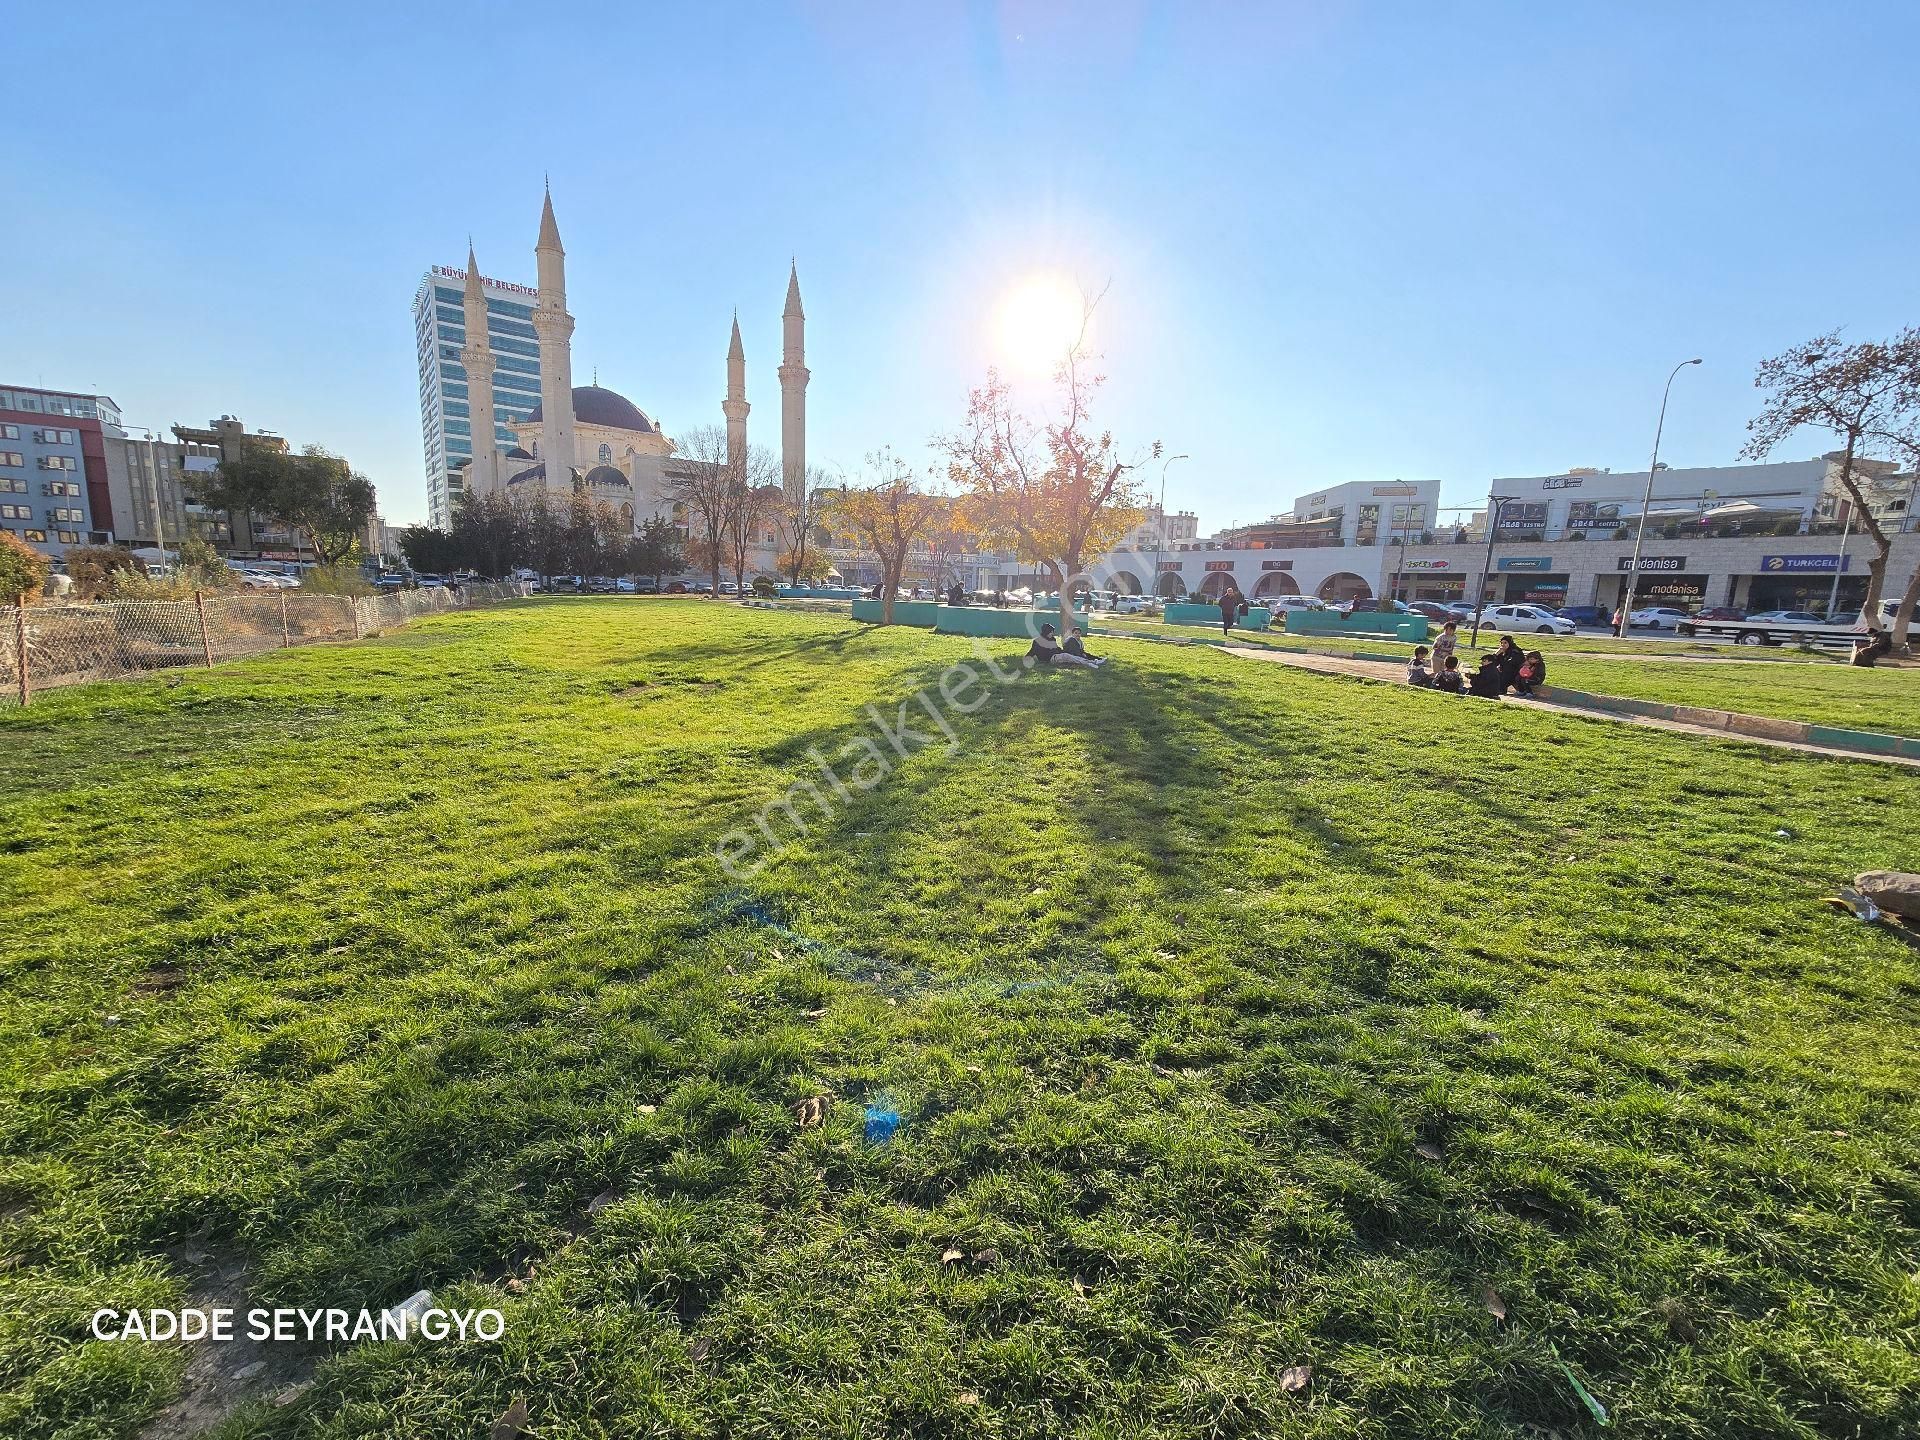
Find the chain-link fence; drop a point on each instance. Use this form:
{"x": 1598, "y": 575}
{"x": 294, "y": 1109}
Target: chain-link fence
{"x": 46, "y": 645}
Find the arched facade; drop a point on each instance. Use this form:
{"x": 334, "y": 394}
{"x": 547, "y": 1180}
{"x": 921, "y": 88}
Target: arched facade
{"x": 1125, "y": 581}
{"x": 1216, "y": 583}
{"x": 1170, "y": 585}
{"x": 1344, "y": 585}
{"x": 1275, "y": 582}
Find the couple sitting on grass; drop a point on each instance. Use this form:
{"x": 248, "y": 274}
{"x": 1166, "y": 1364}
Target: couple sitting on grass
{"x": 1048, "y": 650}
{"x": 1501, "y": 670}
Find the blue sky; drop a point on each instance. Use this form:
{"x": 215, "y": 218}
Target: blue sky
{"x": 1343, "y": 241}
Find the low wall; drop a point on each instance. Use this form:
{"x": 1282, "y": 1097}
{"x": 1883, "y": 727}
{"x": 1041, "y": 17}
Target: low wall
{"x": 984, "y": 620}
{"x": 819, "y": 592}
{"x": 1383, "y": 623}
{"x": 1256, "y": 617}
{"x": 920, "y": 613}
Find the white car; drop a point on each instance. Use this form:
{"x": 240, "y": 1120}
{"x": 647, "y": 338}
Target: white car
{"x": 1536, "y": 619}
{"x": 1657, "y": 617}
{"x": 1132, "y": 605}
{"x": 1280, "y": 604}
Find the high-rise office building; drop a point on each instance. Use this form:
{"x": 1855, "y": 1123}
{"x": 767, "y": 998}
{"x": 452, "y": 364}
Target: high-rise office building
{"x": 440, "y": 331}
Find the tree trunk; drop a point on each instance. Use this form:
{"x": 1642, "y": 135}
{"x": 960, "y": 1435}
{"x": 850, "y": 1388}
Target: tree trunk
{"x": 1903, "y": 617}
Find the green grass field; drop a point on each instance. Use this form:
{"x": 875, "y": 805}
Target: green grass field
{"x": 1238, "y": 1018}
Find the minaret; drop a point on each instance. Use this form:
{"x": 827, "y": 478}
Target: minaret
{"x": 735, "y": 406}
{"x": 483, "y": 474}
{"x": 793, "y": 392}
{"x": 554, "y": 326}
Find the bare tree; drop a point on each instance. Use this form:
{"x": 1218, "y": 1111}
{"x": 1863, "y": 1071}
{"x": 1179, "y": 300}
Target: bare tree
{"x": 889, "y": 511}
{"x": 1052, "y": 491}
{"x": 699, "y": 477}
{"x": 798, "y": 518}
{"x": 756, "y": 500}
{"x": 1868, "y": 395}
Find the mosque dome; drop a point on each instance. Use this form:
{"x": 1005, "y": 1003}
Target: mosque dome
{"x": 601, "y": 475}
{"x": 516, "y": 453}
{"x": 536, "y": 472}
{"x": 593, "y": 405}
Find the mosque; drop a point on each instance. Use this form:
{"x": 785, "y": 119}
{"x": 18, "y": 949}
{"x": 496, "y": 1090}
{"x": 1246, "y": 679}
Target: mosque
{"x": 610, "y": 448}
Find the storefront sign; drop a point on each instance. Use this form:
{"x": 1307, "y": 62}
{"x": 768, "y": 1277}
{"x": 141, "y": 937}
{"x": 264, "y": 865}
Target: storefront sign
{"x": 1525, "y": 562}
{"x": 1396, "y": 490}
{"x": 1562, "y": 482}
{"x": 1804, "y": 564}
{"x": 1594, "y": 514}
{"x": 1428, "y": 565}
{"x": 1220, "y": 565}
{"x": 1167, "y": 565}
{"x": 1680, "y": 587}
{"x": 1276, "y": 564}
{"x": 1530, "y": 516}
{"x": 1656, "y": 564}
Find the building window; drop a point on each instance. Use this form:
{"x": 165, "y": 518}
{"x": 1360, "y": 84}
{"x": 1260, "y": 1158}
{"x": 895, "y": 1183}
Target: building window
{"x": 9, "y": 432}
{"x": 606, "y": 454}
{"x": 55, "y": 437}
{"x": 13, "y": 457}
{"x": 15, "y": 512}
{"x": 12, "y": 487}
{"x": 67, "y": 537}
{"x": 58, "y": 462}
{"x": 34, "y": 537}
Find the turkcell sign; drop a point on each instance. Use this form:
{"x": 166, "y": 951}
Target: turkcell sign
{"x": 1524, "y": 562}
{"x": 1803, "y": 564}
{"x": 1656, "y": 564}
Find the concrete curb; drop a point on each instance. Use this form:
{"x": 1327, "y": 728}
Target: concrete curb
{"x": 1762, "y": 727}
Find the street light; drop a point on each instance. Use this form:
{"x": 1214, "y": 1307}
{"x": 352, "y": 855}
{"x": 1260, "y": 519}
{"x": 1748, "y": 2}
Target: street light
{"x": 1160, "y": 530}
{"x": 1495, "y": 503}
{"x": 1640, "y": 535}
{"x": 1840, "y": 563}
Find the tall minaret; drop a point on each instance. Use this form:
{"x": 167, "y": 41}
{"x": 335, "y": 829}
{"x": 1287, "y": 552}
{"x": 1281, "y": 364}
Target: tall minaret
{"x": 554, "y": 326}
{"x": 793, "y": 392}
{"x": 735, "y": 406}
{"x": 483, "y": 475}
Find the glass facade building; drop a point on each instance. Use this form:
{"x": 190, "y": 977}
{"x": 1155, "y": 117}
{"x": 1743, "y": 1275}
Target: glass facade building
{"x": 440, "y": 332}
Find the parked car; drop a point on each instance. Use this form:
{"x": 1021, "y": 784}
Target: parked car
{"x": 1461, "y": 610}
{"x": 1534, "y": 618}
{"x": 430, "y": 582}
{"x": 1586, "y": 614}
{"x": 1132, "y": 605}
{"x": 1657, "y": 617}
{"x": 1432, "y": 609}
{"x": 1720, "y": 612}
{"x": 644, "y": 586}
{"x": 1801, "y": 617}
{"x": 676, "y": 587}
{"x": 1281, "y": 604}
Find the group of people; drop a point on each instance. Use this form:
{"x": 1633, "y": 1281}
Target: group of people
{"x": 1048, "y": 649}
{"x": 1505, "y": 668}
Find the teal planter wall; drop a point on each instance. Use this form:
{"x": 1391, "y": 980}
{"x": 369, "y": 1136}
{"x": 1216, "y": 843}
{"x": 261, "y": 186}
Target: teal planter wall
{"x": 921, "y": 613}
{"x": 1256, "y": 617}
{"x": 1411, "y": 628}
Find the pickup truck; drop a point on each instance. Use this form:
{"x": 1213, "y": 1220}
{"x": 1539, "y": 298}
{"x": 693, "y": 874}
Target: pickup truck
{"x": 1759, "y": 630}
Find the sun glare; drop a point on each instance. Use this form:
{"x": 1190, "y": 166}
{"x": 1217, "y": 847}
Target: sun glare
{"x": 1036, "y": 322}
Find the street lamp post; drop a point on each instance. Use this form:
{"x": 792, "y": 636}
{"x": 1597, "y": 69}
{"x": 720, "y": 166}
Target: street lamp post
{"x": 1840, "y": 561}
{"x": 1495, "y": 503}
{"x": 1160, "y": 530}
{"x": 1646, "y": 503}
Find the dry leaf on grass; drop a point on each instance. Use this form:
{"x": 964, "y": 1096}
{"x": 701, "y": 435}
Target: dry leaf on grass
{"x": 989, "y": 1256}
{"x": 811, "y": 1112}
{"x": 969, "y": 1397}
{"x": 950, "y": 1256}
{"x": 646, "y": 1109}
{"x": 512, "y": 1421}
{"x": 602, "y": 1201}
{"x": 1496, "y": 1303}
{"x": 1427, "y": 1150}
{"x": 1080, "y": 1287}
{"x": 698, "y": 1350}
{"x": 1296, "y": 1378}
{"x": 816, "y": 1014}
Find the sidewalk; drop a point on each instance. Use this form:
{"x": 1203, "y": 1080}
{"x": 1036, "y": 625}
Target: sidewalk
{"x": 1687, "y": 720}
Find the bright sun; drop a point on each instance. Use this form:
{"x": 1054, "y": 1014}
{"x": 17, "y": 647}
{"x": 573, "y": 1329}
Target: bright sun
{"x": 1035, "y": 323}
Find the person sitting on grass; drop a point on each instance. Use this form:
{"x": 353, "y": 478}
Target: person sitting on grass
{"x": 1868, "y": 649}
{"x": 1075, "y": 645}
{"x": 1449, "y": 678}
{"x": 1047, "y": 650}
{"x": 1417, "y": 672}
{"x": 1509, "y": 657}
{"x": 1487, "y": 680}
{"x": 1533, "y": 672}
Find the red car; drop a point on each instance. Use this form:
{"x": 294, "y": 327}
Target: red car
{"x": 1438, "y": 614}
{"x": 1721, "y": 612}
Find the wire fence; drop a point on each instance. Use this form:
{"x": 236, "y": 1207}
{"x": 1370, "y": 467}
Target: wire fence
{"x": 42, "y": 646}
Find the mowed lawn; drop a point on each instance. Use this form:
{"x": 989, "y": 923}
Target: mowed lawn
{"x": 1238, "y": 1019}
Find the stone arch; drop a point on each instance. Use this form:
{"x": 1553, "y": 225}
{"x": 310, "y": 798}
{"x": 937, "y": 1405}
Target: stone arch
{"x": 1344, "y": 585}
{"x": 1125, "y": 581}
{"x": 1216, "y": 582}
{"x": 1170, "y": 585}
{"x": 1275, "y": 582}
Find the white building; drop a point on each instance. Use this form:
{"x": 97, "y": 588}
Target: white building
{"x": 446, "y": 400}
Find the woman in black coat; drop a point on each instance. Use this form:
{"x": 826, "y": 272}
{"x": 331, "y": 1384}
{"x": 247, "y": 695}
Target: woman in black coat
{"x": 1509, "y": 657}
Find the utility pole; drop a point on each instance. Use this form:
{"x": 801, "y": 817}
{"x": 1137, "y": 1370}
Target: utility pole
{"x": 1840, "y": 560}
{"x": 1646, "y": 503}
{"x": 1160, "y": 530}
{"x": 1495, "y": 504}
